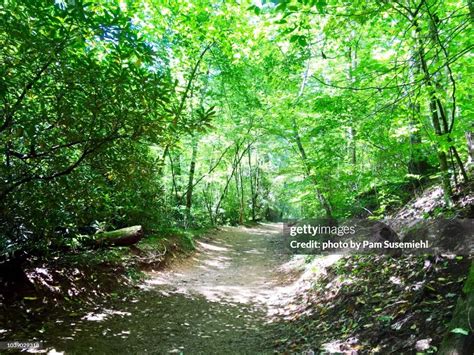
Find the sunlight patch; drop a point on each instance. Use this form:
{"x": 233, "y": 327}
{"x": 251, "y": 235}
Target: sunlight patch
{"x": 211, "y": 247}
{"x": 106, "y": 313}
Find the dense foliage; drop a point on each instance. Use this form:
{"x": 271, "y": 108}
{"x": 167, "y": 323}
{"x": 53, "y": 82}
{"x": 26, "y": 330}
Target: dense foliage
{"x": 186, "y": 113}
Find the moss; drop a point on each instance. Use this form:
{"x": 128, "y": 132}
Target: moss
{"x": 469, "y": 285}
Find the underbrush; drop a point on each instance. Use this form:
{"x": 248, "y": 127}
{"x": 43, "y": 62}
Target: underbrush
{"x": 377, "y": 304}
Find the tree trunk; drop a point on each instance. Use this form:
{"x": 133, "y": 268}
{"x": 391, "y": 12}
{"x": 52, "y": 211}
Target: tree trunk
{"x": 252, "y": 186}
{"x": 162, "y": 161}
{"x": 242, "y": 196}
{"x": 435, "y": 118}
{"x": 174, "y": 186}
{"x": 352, "y": 131}
{"x": 192, "y": 169}
{"x": 237, "y": 189}
{"x": 470, "y": 4}
{"x": 175, "y": 162}
{"x": 237, "y": 159}
{"x": 353, "y": 145}
{"x": 320, "y": 196}
{"x": 470, "y": 146}
{"x": 418, "y": 163}
{"x": 460, "y": 164}
{"x": 208, "y": 202}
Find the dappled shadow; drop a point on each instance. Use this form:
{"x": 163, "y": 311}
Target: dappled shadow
{"x": 217, "y": 300}
{"x": 373, "y": 303}
{"x": 239, "y": 265}
{"x": 161, "y": 325}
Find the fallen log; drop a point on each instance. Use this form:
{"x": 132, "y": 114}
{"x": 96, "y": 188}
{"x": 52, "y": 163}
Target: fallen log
{"x": 120, "y": 237}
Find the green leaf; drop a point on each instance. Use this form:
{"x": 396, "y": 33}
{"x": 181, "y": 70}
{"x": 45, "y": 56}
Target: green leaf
{"x": 460, "y": 331}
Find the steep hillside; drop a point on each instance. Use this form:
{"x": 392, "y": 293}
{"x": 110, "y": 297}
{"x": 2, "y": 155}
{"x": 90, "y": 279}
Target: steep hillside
{"x": 377, "y": 303}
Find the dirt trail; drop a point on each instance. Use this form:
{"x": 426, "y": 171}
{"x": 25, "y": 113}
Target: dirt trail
{"x": 237, "y": 265}
{"x": 214, "y": 302}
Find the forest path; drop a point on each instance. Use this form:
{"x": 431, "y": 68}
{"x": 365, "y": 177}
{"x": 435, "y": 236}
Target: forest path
{"x": 216, "y": 301}
{"x": 236, "y": 265}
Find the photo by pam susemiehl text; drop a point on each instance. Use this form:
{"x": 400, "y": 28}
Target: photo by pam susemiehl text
{"x": 359, "y": 235}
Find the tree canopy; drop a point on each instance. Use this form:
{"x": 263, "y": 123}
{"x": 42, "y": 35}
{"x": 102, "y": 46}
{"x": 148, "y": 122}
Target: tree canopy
{"x": 190, "y": 113}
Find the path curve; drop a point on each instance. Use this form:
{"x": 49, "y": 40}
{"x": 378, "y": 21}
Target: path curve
{"x": 214, "y": 302}
{"x": 236, "y": 265}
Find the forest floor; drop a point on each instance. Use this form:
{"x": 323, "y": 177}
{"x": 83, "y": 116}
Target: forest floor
{"x": 239, "y": 292}
{"x": 218, "y": 300}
